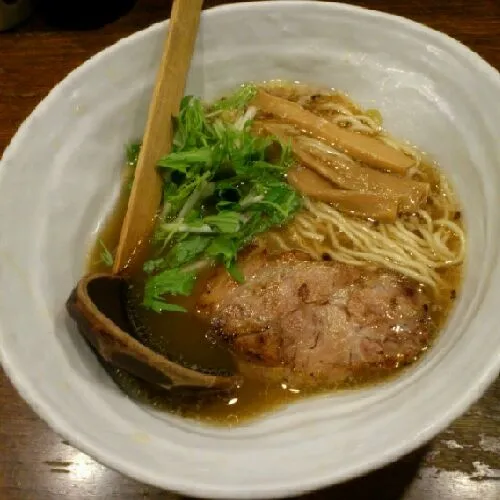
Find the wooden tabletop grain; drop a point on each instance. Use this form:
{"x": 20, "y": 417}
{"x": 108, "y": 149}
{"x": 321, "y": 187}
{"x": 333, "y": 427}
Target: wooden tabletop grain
{"x": 463, "y": 463}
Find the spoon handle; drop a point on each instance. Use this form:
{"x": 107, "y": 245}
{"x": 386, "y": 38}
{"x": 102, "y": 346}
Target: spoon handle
{"x": 145, "y": 196}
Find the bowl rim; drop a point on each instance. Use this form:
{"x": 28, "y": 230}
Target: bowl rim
{"x": 65, "y": 428}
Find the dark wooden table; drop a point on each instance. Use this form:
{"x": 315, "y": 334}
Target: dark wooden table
{"x": 463, "y": 463}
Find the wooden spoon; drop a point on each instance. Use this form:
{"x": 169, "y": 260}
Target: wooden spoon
{"x": 100, "y": 306}
{"x": 97, "y": 302}
{"x": 146, "y": 191}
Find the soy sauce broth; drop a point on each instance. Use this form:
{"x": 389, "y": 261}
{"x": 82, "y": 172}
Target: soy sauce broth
{"x": 183, "y": 337}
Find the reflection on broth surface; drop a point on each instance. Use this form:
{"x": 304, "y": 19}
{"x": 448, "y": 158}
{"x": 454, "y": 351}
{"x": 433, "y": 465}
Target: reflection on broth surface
{"x": 309, "y": 247}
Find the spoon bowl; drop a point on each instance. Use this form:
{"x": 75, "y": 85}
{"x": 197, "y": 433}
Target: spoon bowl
{"x": 100, "y": 304}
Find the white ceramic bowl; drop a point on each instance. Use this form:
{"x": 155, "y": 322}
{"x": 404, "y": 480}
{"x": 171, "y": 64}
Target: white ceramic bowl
{"x": 59, "y": 178}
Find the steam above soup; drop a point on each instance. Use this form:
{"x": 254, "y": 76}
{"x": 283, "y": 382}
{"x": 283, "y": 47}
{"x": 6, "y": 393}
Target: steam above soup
{"x": 294, "y": 231}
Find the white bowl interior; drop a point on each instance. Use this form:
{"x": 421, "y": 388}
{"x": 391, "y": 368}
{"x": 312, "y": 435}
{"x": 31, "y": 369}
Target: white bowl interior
{"x": 59, "y": 179}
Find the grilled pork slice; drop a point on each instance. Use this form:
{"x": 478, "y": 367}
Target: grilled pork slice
{"x": 323, "y": 321}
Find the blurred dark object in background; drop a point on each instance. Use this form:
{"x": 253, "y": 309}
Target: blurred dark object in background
{"x": 13, "y": 12}
{"x": 81, "y": 14}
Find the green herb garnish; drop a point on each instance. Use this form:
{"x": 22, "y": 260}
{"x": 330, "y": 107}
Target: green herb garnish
{"x": 133, "y": 150}
{"x": 106, "y": 256}
{"x": 220, "y": 191}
